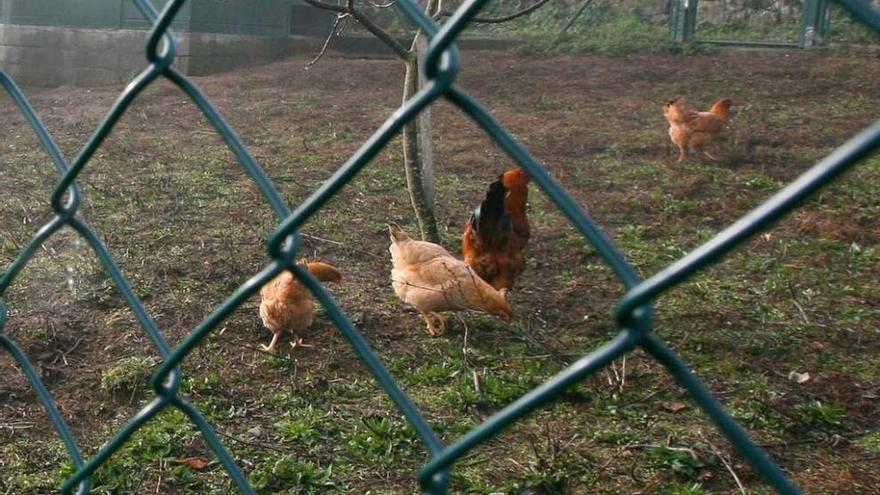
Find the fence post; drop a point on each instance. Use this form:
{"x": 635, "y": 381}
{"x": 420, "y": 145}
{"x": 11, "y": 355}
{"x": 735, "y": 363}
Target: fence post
{"x": 814, "y": 23}
{"x": 683, "y": 20}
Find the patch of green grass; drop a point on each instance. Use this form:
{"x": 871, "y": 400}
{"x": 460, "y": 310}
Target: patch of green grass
{"x": 304, "y": 425}
{"x": 679, "y": 463}
{"x": 381, "y": 441}
{"x": 818, "y": 413}
{"x": 745, "y": 31}
{"x": 285, "y": 473}
{"x": 843, "y": 28}
{"x": 619, "y": 36}
{"x": 869, "y": 442}
{"x": 761, "y": 182}
{"x": 167, "y": 437}
{"x": 128, "y": 373}
{"x": 21, "y": 475}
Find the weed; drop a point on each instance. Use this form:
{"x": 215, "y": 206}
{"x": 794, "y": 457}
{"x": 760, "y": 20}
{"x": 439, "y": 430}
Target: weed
{"x": 680, "y": 462}
{"x": 869, "y": 442}
{"x": 817, "y": 413}
{"x": 381, "y": 441}
{"x": 286, "y": 473}
{"x": 128, "y": 373}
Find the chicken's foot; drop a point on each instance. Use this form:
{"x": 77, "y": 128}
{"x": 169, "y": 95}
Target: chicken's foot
{"x": 298, "y": 342}
{"x": 433, "y": 329}
{"x": 273, "y": 346}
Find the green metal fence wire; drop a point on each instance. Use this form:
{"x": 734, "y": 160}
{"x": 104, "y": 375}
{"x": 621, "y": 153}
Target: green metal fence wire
{"x": 633, "y": 313}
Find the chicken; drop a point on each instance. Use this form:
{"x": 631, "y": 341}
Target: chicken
{"x": 287, "y": 304}
{"x": 689, "y": 128}
{"x": 498, "y": 230}
{"x": 425, "y": 276}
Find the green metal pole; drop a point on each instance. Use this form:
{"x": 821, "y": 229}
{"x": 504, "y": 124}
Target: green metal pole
{"x": 813, "y": 23}
{"x": 683, "y": 20}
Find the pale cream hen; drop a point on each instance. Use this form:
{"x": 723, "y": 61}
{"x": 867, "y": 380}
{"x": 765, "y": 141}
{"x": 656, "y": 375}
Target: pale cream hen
{"x": 427, "y": 277}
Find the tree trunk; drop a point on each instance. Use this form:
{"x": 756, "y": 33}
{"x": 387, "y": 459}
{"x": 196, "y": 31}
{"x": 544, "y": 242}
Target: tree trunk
{"x": 417, "y": 153}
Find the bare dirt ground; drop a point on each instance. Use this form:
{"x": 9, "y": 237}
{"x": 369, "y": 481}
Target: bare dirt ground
{"x": 187, "y": 226}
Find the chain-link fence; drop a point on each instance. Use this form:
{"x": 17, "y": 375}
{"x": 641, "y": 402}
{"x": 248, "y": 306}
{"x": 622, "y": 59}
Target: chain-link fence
{"x": 633, "y": 313}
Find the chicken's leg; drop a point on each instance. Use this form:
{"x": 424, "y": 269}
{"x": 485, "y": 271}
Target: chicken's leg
{"x": 682, "y": 153}
{"x": 433, "y": 329}
{"x": 273, "y": 346}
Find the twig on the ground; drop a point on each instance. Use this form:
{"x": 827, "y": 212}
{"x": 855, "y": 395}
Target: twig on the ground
{"x": 252, "y": 444}
{"x": 727, "y": 464}
{"x": 802, "y": 312}
{"x": 529, "y": 338}
{"x": 806, "y": 441}
{"x": 626, "y": 447}
{"x": 341, "y": 244}
{"x": 464, "y": 344}
{"x": 687, "y": 450}
{"x": 793, "y": 324}
{"x": 159, "y": 481}
{"x": 649, "y": 396}
{"x": 252, "y": 348}
{"x": 63, "y": 355}
{"x": 18, "y": 425}
{"x": 316, "y": 238}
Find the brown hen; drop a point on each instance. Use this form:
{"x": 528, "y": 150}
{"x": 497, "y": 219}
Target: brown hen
{"x": 286, "y": 304}
{"x": 689, "y": 128}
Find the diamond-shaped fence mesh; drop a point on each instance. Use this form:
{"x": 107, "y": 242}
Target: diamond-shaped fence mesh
{"x": 632, "y": 314}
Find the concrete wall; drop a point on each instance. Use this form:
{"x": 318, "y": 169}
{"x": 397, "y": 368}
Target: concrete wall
{"x": 89, "y": 42}
{"x": 54, "y": 55}
{"x": 94, "y": 14}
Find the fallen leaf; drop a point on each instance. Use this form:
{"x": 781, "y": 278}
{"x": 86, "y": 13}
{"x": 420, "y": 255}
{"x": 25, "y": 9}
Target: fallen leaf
{"x": 673, "y": 407}
{"x": 196, "y": 463}
{"x": 798, "y": 377}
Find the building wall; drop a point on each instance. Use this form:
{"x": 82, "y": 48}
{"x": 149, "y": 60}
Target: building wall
{"x": 102, "y": 41}
{"x": 89, "y": 14}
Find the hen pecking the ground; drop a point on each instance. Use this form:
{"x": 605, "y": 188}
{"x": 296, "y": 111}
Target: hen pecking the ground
{"x": 427, "y": 277}
{"x": 286, "y": 304}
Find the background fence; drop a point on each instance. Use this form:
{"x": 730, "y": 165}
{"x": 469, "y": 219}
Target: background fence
{"x": 633, "y": 314}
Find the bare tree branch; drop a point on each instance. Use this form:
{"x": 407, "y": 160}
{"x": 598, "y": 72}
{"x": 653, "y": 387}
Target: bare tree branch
{"x": 326, "y": 6}
{"x": 383, "y": 5}
{"x": 364, "y": 21}
{"x": 339, "y": 17}
{"x": 498, "y": 20}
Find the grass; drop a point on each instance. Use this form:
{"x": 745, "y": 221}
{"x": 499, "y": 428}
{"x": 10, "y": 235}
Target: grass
{"x": 801, "y": 298}
{"x": 128, "y": 373}
{"x": 621, "y": 35}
